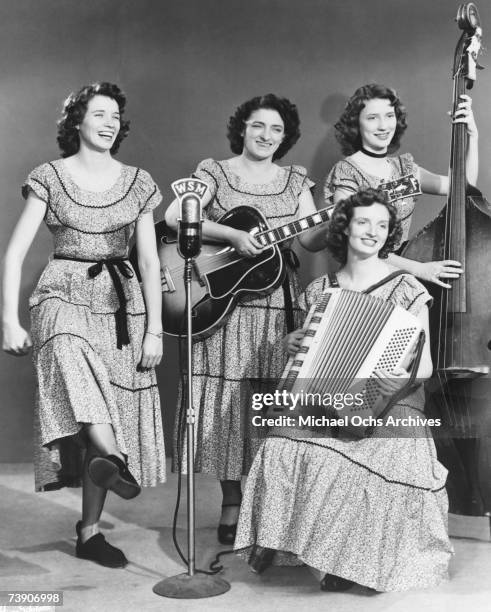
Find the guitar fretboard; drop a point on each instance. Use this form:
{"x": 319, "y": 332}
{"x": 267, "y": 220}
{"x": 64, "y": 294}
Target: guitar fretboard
{"x": 289, "y": 230}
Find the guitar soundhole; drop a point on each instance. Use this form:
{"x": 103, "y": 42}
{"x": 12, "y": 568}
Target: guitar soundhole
{"x": 489, "y": 345}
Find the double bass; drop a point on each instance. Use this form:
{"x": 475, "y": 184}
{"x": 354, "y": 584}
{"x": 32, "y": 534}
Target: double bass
{"x": 460, "y": 321}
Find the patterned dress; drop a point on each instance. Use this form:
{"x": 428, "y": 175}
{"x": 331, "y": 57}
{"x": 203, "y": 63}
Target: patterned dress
{"x": 373, "y": 510}
{"x": 249, "y": 345}
{"x": 83, "y": 377}
{"x": 348, "y": 175}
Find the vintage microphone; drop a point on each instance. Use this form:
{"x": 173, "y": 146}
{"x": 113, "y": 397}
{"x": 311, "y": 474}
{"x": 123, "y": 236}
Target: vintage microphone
{"x": 189, "y": 227}
{"x": 190, "y": 585}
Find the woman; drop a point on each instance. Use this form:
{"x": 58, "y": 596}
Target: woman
{"x": 370, "y": 511}
{"x": 95, "y": 338}
{"x": 261, "y": 131}
{"x": 369, "y": 129}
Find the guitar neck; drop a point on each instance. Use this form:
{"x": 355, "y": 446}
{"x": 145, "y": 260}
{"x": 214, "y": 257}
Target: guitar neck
{"x": 273, "y": 236}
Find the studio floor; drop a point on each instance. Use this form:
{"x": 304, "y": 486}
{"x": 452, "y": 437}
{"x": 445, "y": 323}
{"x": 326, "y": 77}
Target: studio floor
{"x": 37, "y": 546}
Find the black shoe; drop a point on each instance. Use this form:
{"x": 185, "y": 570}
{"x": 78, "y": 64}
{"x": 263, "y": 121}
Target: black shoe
{"x": 97, "y": 549}
{"x": 330, "y": 582}
{"x": 111, "y": 473}
{"x": 261, "y": 558}
{"x": 226, "y": 533}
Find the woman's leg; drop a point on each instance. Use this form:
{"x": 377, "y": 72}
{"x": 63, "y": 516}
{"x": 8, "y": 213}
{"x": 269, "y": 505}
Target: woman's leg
{"x": 102, "y": 438}
{"x": 232, "y": 498}
{"x": 93, "y": 498}
{"x": 91, "y": 544}
{"x": 107, "y": 468}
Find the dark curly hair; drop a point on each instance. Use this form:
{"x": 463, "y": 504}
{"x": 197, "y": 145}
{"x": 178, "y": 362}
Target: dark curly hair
{"x": 74, "y": 110}
{"x": 348, "y": 126}
{"x": 287, "y": 111}
{"x": 337, "y": 240}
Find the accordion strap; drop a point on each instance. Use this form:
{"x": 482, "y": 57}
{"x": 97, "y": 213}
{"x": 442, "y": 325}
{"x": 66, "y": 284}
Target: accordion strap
{"x": 333, "y": 280}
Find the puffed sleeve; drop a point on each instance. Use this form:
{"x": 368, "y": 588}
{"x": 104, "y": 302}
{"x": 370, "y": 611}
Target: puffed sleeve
{"x": 313, "y": 292}
{"x": 37, "y": 182}
{"x": 411, "y": 294}
{"x": 300, "y": 181}
{"x": 207, "y": 172}
{"x": 409, "y": 166}
{"x": 147, "y": 192}
{"x": 342, "y": 176}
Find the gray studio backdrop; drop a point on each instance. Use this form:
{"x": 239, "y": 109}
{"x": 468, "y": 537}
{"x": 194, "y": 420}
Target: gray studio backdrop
{"x": 185, "y": 65}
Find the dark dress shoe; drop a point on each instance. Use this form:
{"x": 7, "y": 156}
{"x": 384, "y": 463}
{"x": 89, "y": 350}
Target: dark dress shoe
{"x": 226, "y": 534}
{"x": 111, "y": 473}
{"x": 261, "y": 558}
{"x": 330, "y": 582}
{"x": 97, "y": 549}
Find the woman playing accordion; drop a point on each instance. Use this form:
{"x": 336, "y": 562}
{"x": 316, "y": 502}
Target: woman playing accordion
{"x": 371, "y": 511}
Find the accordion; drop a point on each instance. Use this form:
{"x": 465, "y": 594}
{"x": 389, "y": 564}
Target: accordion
{"x": 349, "y": 336}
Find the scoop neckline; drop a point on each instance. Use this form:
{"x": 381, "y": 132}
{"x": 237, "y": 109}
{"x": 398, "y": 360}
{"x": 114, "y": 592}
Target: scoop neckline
{"x": 68, "y": 175}
{"x": 390, "y": 159}
{"x": 278, "y": 177}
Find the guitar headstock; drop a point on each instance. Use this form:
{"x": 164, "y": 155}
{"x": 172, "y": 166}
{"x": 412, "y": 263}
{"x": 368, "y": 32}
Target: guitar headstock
{"x": 470, "y": 43}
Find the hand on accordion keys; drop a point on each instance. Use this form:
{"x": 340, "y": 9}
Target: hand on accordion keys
{"x": 292, "y": 341}
{"x": 389, "y": 383}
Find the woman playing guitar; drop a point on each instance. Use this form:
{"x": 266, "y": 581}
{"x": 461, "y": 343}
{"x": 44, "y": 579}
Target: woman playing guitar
{"x": 261, "y": 131}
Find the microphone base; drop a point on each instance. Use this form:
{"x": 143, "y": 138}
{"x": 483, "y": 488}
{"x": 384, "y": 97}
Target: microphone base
{"x": 184, "y": 586}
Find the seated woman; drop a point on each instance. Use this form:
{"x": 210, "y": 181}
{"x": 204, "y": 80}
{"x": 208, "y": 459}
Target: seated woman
{"x": 369, "y": 130}
{"x": 371, "y": 511}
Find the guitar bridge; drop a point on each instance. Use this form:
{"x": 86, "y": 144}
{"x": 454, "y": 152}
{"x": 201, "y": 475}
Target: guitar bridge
{"x": 197, "y": 273}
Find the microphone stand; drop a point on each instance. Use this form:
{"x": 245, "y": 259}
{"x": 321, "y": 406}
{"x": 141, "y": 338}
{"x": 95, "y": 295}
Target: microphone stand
{"x": 190, "y": 585}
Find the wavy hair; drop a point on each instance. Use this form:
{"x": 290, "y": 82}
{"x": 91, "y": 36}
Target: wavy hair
{"x": 287, "y": 111}
{"x": 348, "y": 126}
{"x": 337, "y": 240}
{"x": 74, "y": 110}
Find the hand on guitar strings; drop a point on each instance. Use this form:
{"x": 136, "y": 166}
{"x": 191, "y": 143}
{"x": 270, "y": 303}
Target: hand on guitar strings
{"x": 464, "y": 114}
{"x": 436, "y": 271}
{"x": 292, "y": 342}
{"x": 245, "y": 244}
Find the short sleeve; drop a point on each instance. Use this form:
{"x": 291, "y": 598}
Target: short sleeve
{"x": 343, "y": 175}
{"x": 147, "y": 191}
{"x": 411, "y": 294}
{"x": 312, "y": 294}
{"x": 409, "y": 166}
{"x": 37, "y": 182}
{"x": 300, "y": 181}
{"x": 207, "y": 171}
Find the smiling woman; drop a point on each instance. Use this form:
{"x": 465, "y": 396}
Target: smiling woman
{"x": 95, "y": 337}
{"x": 371, "y": 511}
{"x": 261, "y": 131}
{"x": 369, "y": 130}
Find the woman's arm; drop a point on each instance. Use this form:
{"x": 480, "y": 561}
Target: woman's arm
{"x": 148, "y": 262}
{"x": 243, "y": 242}
{"x": 314, "y": 239}
{"x": 16, "y": 340}
{"x": 432, "y": 271}
{"x": 437, "y": 184}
